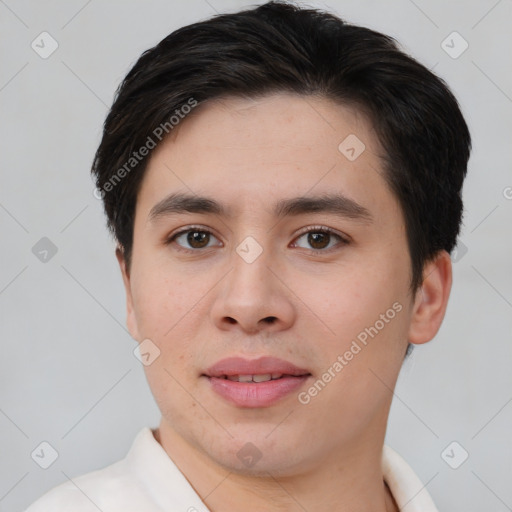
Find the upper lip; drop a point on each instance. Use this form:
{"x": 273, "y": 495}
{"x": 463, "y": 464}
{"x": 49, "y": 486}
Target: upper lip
{"x": 260, "y": 366}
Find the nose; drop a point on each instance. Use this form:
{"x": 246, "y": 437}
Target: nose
{"x": 254, "y": 297}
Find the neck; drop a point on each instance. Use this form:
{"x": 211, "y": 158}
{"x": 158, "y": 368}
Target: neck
{"x": 355, "y": 484}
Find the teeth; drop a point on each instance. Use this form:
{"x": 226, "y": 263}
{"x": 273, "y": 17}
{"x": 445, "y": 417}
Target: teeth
{"x": 254, "y": 378}
{"x": 262, "y": 378}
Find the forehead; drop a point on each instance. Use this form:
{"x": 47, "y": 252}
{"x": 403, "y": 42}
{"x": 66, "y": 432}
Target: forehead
{"x": 287, "y": 122}
{"x": 247, "y": 151}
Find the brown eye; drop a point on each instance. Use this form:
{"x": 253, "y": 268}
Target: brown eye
{"x": 198, "y": 239}
{"x": 319, "y": 239}
{"x": 192, "y": 239}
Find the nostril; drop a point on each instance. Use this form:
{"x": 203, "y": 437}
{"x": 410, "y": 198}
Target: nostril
{"x": 270, "y": 319}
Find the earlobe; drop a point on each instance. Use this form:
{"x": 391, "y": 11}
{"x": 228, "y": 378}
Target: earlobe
{"x": 431, "y": 299}
{"x": 131, "y": 321}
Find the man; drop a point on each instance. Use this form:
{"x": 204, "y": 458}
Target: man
{"x": 285, "y": 191}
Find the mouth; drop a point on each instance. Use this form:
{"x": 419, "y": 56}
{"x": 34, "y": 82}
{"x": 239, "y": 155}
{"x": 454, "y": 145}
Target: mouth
{"x": 257, "y": 377}
{"x": 264, "y": 367}
{"x": 255, "y": 383}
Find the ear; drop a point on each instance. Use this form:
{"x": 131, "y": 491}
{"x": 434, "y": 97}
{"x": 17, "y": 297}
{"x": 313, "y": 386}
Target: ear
{"x": 131, "y": 320}
{"x": 431, "y": 299}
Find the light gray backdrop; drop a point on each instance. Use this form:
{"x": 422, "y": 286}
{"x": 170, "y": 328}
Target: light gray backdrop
{"x": 68, "y": 375}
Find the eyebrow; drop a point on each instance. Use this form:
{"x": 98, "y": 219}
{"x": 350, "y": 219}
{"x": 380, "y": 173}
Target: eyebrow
{"x": 337, "y": 204}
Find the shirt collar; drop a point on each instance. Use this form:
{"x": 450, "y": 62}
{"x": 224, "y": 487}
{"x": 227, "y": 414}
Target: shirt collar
{"x": 407, "y": 489}
{"x": 170, "y": 489}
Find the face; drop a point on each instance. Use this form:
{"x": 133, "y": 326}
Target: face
{"x": 266, "y": 280}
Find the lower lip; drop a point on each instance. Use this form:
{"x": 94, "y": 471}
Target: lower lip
{"x": 256, "y": 394}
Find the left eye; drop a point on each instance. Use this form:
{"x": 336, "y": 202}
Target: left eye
{"x": 319, "y": 239}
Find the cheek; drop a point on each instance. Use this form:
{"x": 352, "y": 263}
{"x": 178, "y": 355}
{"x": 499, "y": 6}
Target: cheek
{"x": 163, "y": 300}
{"x": 167, "y": 386}
{"x": 353, "y": 299}
{"x": 169, "y": 312}
{"x": 363, "y": 313}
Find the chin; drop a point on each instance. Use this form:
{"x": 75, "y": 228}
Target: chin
{"x": 276, "y": 465}
{"x": 255, "y": 454}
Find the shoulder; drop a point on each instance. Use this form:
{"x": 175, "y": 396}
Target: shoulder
{"x": 63, "y": 497}
{"x": 110, "y": 489}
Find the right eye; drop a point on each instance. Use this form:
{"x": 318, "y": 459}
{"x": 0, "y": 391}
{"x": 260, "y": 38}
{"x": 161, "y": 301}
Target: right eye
{"x": 196, "y": 237}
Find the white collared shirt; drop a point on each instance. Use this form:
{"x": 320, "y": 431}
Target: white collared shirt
{"x": 147, "y": 480}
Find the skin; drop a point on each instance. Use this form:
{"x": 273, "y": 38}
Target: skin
{"x": 202, "y": 307}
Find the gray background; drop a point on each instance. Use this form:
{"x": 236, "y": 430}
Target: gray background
{"x": 68, "y": 375}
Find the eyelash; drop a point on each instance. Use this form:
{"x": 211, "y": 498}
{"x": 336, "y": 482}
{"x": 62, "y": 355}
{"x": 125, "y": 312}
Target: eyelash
{"x": 314, "y": 229}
